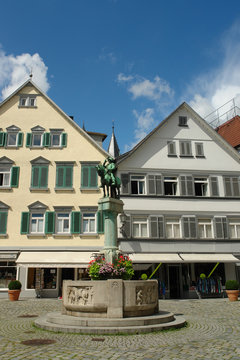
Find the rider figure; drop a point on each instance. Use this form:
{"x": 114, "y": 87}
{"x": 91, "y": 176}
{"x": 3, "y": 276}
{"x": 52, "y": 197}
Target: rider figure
{"x": 111, "y": 168}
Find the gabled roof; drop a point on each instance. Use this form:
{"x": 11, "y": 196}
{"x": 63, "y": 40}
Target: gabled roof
{"x": 68, "y": 118}
{"x": 230, "y": 131}
{"x": 202, "y": 123}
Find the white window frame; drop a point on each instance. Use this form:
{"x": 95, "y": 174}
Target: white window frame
{"x": 185, "y": 144}
{"x": 174, "y": 181}
{"x": 41, "y": 142}
{"x": 174, "y": 222}
{"x": 204, "y": 223}
{"x": 60, "y": 219}
{"x": 87, "y": 218}
{"x": 6, "y": 171}
{"x": 38, "y": 218}
{"x": 141, "y": 182}
{"x": 52, "y": 134}
{"x": 26, "y": 101}
{"x": 140, "y": 221}
{"x": 205, "y": 185}
{"x": 199, "y": 145}
{"x": 234, "y": 223}
{"x": 8, "y": 137}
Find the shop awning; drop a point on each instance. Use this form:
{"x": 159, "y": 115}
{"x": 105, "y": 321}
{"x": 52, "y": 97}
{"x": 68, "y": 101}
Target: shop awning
{"x": 209, "y": 258}
{"x": 53, "y": 259}
{"x": 154, "y": 258}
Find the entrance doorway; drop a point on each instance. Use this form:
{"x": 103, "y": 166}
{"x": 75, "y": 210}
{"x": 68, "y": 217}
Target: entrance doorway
{"x": 67, "y": 274}
{"x": 174, "y": 281}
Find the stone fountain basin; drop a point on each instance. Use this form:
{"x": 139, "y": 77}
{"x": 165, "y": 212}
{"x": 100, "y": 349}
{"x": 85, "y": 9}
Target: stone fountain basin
{"x": 113, "y": 298}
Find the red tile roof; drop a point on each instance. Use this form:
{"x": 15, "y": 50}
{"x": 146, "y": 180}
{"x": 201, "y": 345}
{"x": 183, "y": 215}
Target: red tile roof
{"x": 230, "y": 131}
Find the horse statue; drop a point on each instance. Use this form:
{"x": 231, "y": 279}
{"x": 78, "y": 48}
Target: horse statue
{"x": 108, "y": 179}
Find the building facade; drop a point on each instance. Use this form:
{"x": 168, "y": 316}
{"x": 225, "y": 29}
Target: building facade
{"x": 49, "y": 223}
{"x": 180, "y": 187}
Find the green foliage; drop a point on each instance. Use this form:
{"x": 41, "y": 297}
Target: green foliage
{"x": 232, "y": 285}
{"x": 202, "y": 276}
{"x": 144, "y": 276}
{"x": 14, "y": 285}
{"x": 122, "y": 268}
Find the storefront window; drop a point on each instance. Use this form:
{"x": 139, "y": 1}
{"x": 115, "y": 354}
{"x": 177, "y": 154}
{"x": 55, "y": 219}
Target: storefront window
{"x": 8, "y": 272}
{"x": 48, "y": 278}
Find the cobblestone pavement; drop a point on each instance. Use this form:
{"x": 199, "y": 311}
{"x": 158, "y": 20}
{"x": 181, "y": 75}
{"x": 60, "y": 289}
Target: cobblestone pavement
{"x": 213, "y": 332}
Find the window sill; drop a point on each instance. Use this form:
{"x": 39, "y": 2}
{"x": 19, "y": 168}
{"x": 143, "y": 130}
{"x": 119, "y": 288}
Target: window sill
{"x": 43, "y": 236}
{"x": 64, "y": 189}
{"x": 6, "y": 188}
{"x": 69, "y": 235}
{"x": 89, "y": 235}
{"x": 185, "y": 126}
{"x": 200, "y": 157}
{"x": 8, "y": 147}
{"x": 90, "y": 189}
{"x": 3, "y": 236}
{"x": 27, "y": 107}
{"x": 171, "y": 155}
{"x": 36, "y": 147}
{"x": 39, "y": 190}
{"x": 187, "y": 156}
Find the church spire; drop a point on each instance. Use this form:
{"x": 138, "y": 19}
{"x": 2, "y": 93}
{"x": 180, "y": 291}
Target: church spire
{"x": 113, "y": 148}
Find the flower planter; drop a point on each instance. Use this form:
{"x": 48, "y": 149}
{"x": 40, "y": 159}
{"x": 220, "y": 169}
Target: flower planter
{"x": 232, "y": 295}
{"x": 13, "y": 295}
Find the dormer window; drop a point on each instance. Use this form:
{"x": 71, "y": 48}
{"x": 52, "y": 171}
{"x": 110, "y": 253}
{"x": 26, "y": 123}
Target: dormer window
{"x": 27, "y": 100}
{"x": 182, "y": 121}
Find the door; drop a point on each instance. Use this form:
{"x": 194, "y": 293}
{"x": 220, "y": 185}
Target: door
{"x": 174, "y": 281}
{"x": 67, "y": 274}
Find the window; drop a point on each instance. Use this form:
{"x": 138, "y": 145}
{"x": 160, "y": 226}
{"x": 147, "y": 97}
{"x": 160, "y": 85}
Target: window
{"x": 47, "y": 277}
{"x": 27, "y": 100}
{"x": 12, "y": 138}
{"x": 156, "y": 227}
{"x": 57, "y": 138}
{"x": 37, "y": 223}
{"x": 3, "y": 220}
{"x": 138, "y": 184}
{"x": 201, "y": 186}
{"x": 199, "y": 150}
{"x": 221, "y": 229}
{"x": 155, "y": 186}
{"x": 189, "y": 227}
{"x": 185, "y": 148}
{"x": 89, "y": 222}
{"x": 62, "y": 223}
{"x": 89, "y": 178}
{"x": 140, "y": 227}
{"x": 186, "y": 185}
{"x": 205, "y": 228}
{"x": 172, "y": 228}
{"x": 39, "y": 177}
{"x": 234, "y": 228}
{"x": 182, "y": 120}
{"x": 9, "y": 175}
{"x": 170, "y": 185}
{"x": 8, "y": 272}
{"x": 5, "y": 173}
{"x": 171, "y": 148}
{"x": 37, "y": 139}
{"x": 64, "y": 176}
{"x": 231, "y": 186}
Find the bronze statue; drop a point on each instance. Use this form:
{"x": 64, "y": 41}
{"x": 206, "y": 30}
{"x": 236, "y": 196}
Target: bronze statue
{"x": 107, "y": 172}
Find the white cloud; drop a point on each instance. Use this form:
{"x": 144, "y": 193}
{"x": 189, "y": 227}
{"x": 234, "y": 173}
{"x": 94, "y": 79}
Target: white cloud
{"x": 15, "y": 70}
{"x": 141, "y": 87}
{"x": 215, "y": 88}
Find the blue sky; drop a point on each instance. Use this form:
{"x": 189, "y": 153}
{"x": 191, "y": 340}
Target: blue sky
{"x": 131, "y": 61}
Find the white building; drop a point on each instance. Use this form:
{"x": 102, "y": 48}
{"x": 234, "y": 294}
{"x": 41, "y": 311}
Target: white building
{"x": 180, "y": 187}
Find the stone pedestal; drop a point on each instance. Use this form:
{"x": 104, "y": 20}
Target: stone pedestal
{"x": 111, "y": 208}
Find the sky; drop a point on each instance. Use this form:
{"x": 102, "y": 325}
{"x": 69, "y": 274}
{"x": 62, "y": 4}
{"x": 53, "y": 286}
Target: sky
{"x": 124, "y": 62}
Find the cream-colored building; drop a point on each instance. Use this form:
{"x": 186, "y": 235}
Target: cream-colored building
{"x": 49, "y": 192}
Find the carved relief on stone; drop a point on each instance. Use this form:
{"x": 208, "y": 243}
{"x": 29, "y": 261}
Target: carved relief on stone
{"x": 80, "y": 295}
{"x": 115, "y": 284}
{"x": 145, "y": 295}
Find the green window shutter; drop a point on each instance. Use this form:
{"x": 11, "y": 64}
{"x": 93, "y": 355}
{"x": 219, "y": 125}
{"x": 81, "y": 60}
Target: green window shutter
{"x": 35, "y": 177}
{"x": 25, "y": 223}
{"x": 84, "y": 176}
{"x": 49, "y": 222}
{"x": 3, "y": 222}
{"x": 93, "y": 177}
{"x": 60, "y": 174}
{"x": 20, "y": 139}
{"x": 46, "y": 139}
{"x": 15, "y": 176}
{"x": 29, "y": 139}
{"x": 2, "y": 138}
{"x": 68, "y": 172}
{"x": 43, "y": 177}
{"x": 76, "y": 222}
{"x": 100, "y": 222}
{"x": 64, "y": 139}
